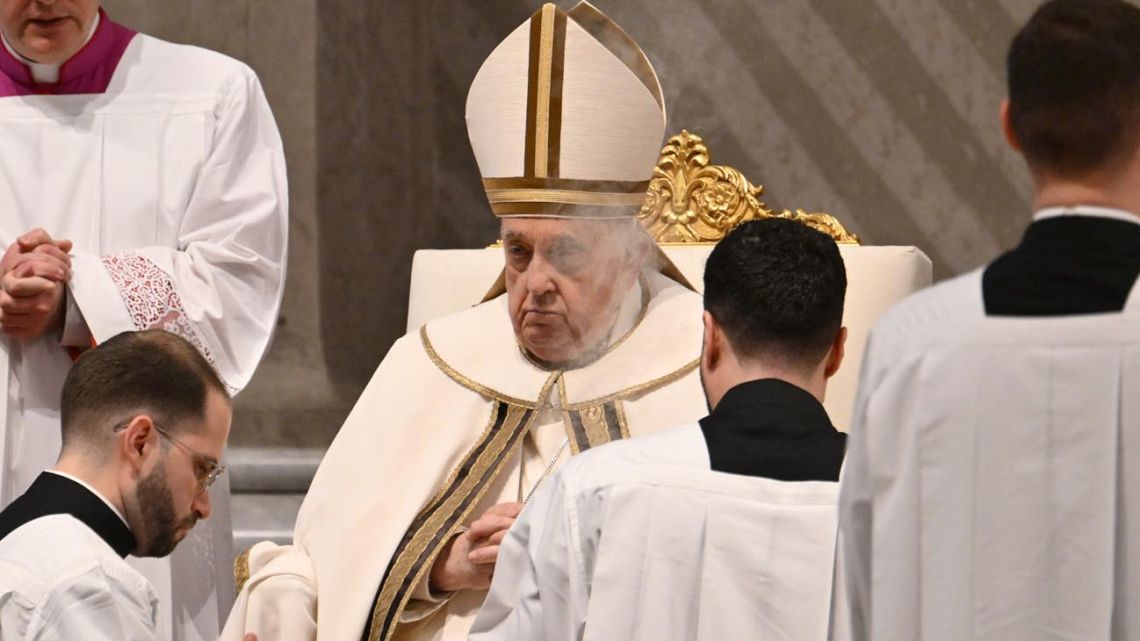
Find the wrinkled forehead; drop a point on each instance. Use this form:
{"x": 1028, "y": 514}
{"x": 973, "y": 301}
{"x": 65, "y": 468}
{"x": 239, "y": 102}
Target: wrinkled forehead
{"x": 588, "y": 230}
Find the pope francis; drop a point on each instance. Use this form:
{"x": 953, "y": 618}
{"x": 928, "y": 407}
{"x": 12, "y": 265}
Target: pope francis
{"x": 593, "y": 341}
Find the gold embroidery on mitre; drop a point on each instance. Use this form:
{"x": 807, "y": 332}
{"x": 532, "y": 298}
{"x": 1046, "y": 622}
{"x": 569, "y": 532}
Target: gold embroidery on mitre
{"x": 691, "y": 201}
{"x": 544, "y": 92}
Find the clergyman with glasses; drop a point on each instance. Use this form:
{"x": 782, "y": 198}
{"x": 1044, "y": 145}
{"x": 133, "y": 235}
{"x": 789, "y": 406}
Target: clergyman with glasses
{"x": 145, "y": 419}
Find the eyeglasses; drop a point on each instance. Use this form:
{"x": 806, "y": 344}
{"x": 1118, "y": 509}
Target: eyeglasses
{"x": 209, "y": 468}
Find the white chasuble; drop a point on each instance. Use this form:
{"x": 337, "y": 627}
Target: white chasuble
{"x": 641, "y": 541}
{"x": 992, "y": 483}
{"x": 172, "y": 186}
{"x": 433, "y": 442}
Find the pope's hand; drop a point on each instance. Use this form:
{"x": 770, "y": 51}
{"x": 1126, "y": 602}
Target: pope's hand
{"x": 468, "y": 561}
{"x": 33, "y": 274}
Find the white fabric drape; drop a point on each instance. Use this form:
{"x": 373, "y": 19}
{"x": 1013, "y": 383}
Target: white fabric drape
{"x": 992, "y": 475}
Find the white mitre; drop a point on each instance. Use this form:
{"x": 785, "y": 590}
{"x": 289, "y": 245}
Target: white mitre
{"x": 566, "y": 118}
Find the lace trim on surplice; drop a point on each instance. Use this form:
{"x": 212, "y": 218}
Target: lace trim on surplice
{"x": 151, "y": 298}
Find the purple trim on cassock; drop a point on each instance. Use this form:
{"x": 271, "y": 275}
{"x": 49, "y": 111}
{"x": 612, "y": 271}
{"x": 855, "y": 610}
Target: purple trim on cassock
{"x": 87, "y": 72}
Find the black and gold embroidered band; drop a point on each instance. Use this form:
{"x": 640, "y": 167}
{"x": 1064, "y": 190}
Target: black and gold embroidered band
{"x": 433, "y": 526}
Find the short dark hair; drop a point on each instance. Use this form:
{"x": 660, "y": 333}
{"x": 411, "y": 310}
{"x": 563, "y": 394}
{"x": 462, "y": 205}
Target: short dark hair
{"x": 148, "y": 371}
{"x": 776, "y": 287}
{"x": 1074, "y": 86}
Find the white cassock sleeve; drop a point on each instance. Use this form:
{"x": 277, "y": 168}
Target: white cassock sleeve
{"x": 854, "y": 537}
{"x": 537, "y": 583}
{"x": 880, "y": 466}
{"x": 94, "y": 605}
{"x": 220, "y": 287}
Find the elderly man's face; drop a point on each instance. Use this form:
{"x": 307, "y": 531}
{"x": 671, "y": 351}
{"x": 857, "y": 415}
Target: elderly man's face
{"x": 565, "y": 281}
{"x": 47, "y": 31}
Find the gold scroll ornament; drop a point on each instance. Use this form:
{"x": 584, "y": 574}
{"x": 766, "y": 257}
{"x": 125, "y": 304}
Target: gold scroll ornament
{"x": 691, "y": 201}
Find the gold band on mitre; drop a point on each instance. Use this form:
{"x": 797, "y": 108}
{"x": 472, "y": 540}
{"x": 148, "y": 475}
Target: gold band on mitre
{"x": 564, "y": 198}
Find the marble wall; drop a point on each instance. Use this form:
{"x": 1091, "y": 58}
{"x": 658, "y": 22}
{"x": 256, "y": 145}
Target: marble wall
{"x": 882, "y": 112}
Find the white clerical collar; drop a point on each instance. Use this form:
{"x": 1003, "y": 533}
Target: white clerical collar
{"x": 93, "y": 491}
{"x": 47, "y": 73}
{"x": 629, "y": 314}
{"x": 1091, "y": 211}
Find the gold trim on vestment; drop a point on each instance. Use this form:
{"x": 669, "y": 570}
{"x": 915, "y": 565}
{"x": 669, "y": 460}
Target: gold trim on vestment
{"x": 241, "y": 569}
{"x": 637, "y": 390}
{"x": 448, "y": 509}
{"x": 470, "y": 384}
{"x": 593, "y": 425}
{"x": 576, "y": 444}
{"x": 623, "y": 423}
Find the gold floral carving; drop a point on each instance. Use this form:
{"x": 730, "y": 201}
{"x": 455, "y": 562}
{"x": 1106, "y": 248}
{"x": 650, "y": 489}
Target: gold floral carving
{"x": 691, "y": 201}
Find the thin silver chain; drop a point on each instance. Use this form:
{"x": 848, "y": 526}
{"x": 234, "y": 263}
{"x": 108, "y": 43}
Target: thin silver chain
{"x": 545, "y": 472}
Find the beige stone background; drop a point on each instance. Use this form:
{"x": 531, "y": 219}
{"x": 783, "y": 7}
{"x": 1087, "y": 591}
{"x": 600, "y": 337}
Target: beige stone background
{"x": 882, "y": 112}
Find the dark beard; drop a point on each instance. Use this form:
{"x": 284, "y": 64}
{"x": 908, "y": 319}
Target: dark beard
{"x": 156, "y": 508}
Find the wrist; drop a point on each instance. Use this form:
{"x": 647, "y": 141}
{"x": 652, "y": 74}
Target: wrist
{"x": 446, "y": 573}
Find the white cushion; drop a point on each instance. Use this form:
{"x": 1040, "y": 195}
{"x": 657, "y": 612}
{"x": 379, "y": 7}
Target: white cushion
{"x": 447, "y": 281}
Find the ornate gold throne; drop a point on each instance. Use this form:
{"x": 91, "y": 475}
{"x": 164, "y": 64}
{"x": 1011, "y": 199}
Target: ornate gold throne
{"x": 690, "y": 204}
{"x": 691, "y": 201}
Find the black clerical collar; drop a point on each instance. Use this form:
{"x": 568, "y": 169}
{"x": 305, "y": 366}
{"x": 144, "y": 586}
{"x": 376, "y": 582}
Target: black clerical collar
{"x": 773, "y": 429}
{"x": 1065, "y": 265}
{"x": 54, "y": 494}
